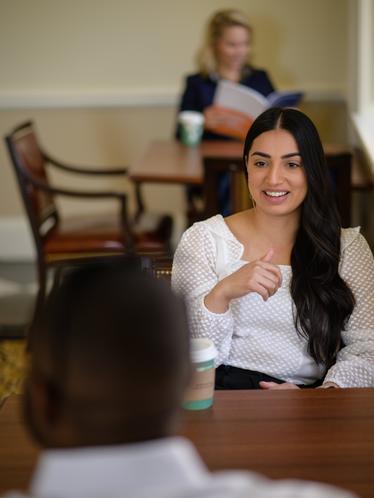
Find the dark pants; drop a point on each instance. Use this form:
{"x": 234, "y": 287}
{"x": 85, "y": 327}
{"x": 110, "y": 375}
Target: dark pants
{"x": 228, "y": 377}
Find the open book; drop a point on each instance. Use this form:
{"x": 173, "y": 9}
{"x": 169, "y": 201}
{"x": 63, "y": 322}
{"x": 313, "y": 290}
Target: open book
{"x": 241, "y": 105}
{"x": 244, "y": 99}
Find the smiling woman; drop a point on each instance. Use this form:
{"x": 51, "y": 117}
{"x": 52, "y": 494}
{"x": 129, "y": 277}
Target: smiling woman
{"x": 285, "y": 293}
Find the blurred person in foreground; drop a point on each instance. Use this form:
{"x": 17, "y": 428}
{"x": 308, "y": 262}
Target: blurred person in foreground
{"x": 103, "y": 395}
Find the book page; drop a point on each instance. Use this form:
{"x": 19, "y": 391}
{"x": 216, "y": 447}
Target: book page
{"x": 285, "y": 99}
{"x": 240, "y": 98}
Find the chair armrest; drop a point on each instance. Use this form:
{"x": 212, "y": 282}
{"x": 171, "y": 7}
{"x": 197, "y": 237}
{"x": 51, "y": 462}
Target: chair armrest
{"x": 88, "y": 194}
{"x": 119, "y": 196}
{"x": 84, "y": 171}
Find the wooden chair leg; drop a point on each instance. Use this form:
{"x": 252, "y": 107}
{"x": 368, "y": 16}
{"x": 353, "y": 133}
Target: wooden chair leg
{"x": 140, "y": 208}
{"x": 40, "y": 297}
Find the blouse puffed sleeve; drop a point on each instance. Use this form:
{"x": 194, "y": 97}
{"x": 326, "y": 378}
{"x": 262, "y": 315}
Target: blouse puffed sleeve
{"x": 354, "y": 365}
{"x": 193, "y": 276}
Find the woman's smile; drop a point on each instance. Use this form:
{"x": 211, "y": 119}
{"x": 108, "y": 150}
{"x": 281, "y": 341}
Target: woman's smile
{"x": 276, "y": 196}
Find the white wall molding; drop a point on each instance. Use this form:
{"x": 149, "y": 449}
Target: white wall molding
{"x": 139, "y": 97}
{"x": 15, "y": 239}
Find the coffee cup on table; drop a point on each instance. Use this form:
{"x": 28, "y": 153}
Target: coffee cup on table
{"x": 200, "y": 392}
{"x": 191, "y": 127}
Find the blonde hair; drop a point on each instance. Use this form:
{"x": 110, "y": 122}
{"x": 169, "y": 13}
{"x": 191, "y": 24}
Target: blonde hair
{"x": 206, "y": 58}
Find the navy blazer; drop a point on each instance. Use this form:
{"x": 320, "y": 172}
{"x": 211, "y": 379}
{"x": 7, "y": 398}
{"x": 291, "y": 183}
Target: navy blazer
{"x": 199, "y": 92}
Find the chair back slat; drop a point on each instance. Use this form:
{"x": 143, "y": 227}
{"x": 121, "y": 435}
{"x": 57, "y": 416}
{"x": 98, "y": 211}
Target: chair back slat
{"x": 29, "y": 164}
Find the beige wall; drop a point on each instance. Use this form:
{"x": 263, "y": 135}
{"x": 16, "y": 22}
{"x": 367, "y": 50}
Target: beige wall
{"x": 138, "y": 50}
{"x": 82, "y": 45}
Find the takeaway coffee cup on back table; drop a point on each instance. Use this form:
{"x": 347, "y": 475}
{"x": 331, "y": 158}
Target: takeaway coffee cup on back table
{"x": 200, "y": 393}
{"x": 191, "y": 127}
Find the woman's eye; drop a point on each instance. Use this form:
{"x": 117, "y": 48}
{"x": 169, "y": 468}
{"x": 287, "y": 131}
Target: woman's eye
{"x": 293, "y": 165}
{"x": 260, "y": 164}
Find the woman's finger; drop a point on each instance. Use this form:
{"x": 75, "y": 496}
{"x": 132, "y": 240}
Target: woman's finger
{"x": 261, "y": 290}
{"x": 267, "y": 284}
{"x": 256, "y": 265}
{"x": 275, "y": 386}
{"x": 269, "y": 267}
{"x": 267, "y": 279}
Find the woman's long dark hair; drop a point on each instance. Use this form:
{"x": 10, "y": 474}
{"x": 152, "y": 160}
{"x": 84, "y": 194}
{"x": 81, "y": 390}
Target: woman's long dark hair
{"x": 323, "y": 301}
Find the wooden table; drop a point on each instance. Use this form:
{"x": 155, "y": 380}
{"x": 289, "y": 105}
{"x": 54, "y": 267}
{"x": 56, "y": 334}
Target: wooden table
{"x": 325, "y": 435}
{"x": 168, "y": 161}
{"x": 319, "y": 434}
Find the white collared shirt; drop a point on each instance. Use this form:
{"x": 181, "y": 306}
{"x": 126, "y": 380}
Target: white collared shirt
{"x": 164, "y": 468}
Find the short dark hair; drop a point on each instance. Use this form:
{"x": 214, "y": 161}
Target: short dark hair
{"x": 323, "y": 300}
{"x": 113, "y": 343}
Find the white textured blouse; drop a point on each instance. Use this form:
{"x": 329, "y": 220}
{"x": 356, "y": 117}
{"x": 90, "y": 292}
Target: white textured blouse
{"x": 261, "y": 335}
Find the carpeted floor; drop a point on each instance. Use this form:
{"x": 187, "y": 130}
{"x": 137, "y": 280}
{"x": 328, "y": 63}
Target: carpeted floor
{"x": 13, "y": 361}
{"x": 17, "y": 294}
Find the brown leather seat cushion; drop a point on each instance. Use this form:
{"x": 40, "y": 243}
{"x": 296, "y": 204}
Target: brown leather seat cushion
{"x": 103, "y": 234}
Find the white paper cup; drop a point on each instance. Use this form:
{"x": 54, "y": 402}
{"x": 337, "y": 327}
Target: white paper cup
{"x": 191, "y": 127}
{"x": 199, "y": 395}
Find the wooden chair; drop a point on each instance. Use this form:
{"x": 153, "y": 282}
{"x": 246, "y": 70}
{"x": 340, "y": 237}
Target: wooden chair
{"x": 58, "y": 239}
{"x": 339, "y": 165}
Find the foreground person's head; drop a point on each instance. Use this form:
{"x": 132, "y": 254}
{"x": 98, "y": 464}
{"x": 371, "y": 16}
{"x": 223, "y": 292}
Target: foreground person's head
{"x": 110, "y": 361}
